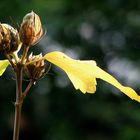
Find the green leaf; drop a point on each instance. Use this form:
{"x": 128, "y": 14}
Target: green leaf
{"x": 3, "y": 66}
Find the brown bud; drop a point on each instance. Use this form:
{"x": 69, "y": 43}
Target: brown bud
{"x": 36, "y": 67}
{"x": 31, "y": 29}
{"x": 9, "y": 39}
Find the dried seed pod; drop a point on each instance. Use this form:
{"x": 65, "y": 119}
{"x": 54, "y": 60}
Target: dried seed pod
{"x": 31, "y": 29}
{"x": 9, "y": 39}
{"x": 36, "y": 69}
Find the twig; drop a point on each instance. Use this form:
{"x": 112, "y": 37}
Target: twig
{"x": 24, "y": 94}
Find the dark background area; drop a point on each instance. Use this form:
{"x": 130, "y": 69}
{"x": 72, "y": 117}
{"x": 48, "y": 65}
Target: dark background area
{"x": 107, "y": 31}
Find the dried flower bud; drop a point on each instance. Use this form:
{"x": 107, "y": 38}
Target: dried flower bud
{"x": 31, "y": 29}
{"x": 36, "y": 69}
{"x": 9, "y": 39}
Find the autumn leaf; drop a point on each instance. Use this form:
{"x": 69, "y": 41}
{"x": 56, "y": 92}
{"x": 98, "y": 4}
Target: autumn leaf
{"x": 3, "y": 66}
{"x": 83, "y": 74}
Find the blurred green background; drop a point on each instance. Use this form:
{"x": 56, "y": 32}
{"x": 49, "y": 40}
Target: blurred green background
{"x": 107, "y": 31}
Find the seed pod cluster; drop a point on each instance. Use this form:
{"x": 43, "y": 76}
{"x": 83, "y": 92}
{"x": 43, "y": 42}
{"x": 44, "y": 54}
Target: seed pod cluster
{"x": 11, "y": 41}
{"x": 29, "y": 34}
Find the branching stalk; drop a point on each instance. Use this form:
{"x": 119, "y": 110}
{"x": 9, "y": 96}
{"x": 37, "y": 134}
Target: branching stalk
{"x": 11, "y": 42}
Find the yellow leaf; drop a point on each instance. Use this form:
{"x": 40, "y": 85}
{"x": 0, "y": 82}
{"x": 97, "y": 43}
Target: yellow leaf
{"x": 83, "y": 74}
{"x": 3, "y": 66}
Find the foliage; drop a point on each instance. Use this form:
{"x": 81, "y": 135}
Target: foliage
{"x": 106, "y": 31}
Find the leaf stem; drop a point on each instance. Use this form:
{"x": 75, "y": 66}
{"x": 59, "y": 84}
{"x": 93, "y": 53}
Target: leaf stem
{"x": 10, "y": 60}
{"x": 31, "y": 62}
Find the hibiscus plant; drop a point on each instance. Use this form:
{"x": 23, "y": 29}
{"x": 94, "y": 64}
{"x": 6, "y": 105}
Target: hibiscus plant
{"x": 82, "y": 73}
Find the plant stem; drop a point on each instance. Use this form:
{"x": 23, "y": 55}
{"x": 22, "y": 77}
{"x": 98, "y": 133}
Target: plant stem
{"x": 24, "y": 94}
{"x": 25, "y": 51}
{"x": 19, "y": 96}
{"x": 19, "y": 101}
{"x": 18, "y": 107}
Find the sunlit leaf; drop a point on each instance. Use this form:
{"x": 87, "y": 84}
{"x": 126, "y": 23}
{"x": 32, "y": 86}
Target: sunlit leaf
{"x": 3, "y": 66}
{"x": 83, "y": 74}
